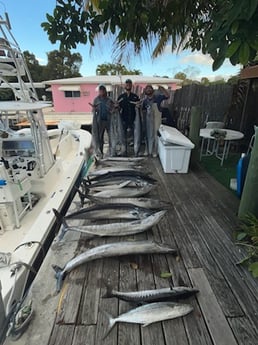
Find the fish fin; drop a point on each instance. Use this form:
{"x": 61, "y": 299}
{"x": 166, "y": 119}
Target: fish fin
{"x": 61, "y": 221}
{"x": 82, "y": 196}
{"x": 59, "y": 277}
{"x": 111, "y": 323}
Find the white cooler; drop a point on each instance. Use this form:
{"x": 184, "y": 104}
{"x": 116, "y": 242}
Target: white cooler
{"x": 174, "y": 150}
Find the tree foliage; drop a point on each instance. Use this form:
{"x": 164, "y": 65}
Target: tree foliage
{"x": 60, "y": 64}
{"x": 223, "y": 29}
{"x": 115, "y": 69}
{"x": 36, "y": 70}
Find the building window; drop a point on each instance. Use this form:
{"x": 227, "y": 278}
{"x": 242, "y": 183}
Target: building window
{"x": 72, "y": 94}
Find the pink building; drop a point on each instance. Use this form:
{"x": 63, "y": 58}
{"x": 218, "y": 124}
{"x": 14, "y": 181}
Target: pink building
{"x": 74, "y": 95}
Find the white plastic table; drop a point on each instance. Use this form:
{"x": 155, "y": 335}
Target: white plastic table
{"x": 213, "y": 143}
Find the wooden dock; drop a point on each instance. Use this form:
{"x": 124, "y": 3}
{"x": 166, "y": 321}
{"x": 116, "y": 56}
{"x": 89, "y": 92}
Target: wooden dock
{"x": 200, "y": 224}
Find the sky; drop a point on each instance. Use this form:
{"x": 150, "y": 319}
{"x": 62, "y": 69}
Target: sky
{"x": 27, "y": 15}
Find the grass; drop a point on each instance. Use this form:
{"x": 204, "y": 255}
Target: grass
{"x": 224, "y": 173}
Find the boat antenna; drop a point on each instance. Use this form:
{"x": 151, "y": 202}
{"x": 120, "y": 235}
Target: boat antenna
{"x": 6, "y": 21}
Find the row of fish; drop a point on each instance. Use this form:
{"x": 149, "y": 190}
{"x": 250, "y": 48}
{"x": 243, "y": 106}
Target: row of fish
{"x": 116, "y": 196}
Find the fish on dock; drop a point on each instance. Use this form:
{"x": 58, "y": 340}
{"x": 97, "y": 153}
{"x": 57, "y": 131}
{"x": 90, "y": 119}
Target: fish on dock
{"x": 154, "y": 295}
{"x": 152, "y": 204}
{"x": 123, "y": 159}
{"x": 122, "y": 174}
{"x": 111, "y": 212}
{"x": 125, "y": 192}
{"x": 150, "y": 313}
{"x": 117, "y": 182}
{"x": 111, "y": 250}
{"x": 113, "y": 229}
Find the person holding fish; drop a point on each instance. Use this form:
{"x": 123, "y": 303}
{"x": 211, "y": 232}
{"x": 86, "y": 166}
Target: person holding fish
{"x": 102, "y": 108}
{"x": 127, "y": 102}
{"x": 152, "y": 120}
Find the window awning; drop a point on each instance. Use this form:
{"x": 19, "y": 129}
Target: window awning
{"x": 69, "y": 88}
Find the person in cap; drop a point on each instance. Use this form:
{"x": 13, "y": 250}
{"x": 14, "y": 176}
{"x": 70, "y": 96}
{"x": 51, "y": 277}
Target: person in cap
{"x": 151, "y": 118}
{"x": 127, "y": 102}
{"x": 102, "y": 108}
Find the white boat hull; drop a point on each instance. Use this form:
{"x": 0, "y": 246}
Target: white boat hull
{"x": 54, "y": 190}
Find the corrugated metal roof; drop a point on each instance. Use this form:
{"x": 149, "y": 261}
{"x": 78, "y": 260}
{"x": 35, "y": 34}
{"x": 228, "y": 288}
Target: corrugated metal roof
{"x": 249, "y": 72}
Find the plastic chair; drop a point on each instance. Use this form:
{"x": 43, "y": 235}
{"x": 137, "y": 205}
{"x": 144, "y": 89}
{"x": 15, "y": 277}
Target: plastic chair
{"x": 215, "y": 124}
{"x": 251, "y": 143}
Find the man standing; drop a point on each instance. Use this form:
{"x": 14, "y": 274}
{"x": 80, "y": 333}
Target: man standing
{"x": 102, "y": 107}
{"x": 127, "y": 102}
{"x": 152, "y": 120}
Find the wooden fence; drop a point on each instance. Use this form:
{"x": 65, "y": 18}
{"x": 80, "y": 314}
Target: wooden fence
{"x": 214, "y": 101}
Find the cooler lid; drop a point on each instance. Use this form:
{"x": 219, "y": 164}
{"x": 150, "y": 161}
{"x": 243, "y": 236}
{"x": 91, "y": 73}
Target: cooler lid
{"x": 173, "y": 136}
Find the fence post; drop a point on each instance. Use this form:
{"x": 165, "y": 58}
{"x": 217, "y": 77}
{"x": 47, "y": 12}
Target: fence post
{"x": 194, "y": 133}
{"x": 249, "y": 199}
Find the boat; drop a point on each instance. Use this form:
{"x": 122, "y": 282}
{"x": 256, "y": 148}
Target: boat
{"x": 39, "y": 169}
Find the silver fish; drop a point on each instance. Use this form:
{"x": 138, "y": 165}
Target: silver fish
{"x": 111, "y": 211}
{"x": 117, "y": 142}
{"x": 126, "y": 192}
{"x": 137, "y": 132}
{"x": 155, "y": 295}
{"x": 116, "y": 229}
{"x": 150, "y": 313}
{"x": 98, "y": 187}
{"x": 123, "y": 174}
{"x": 108, "y": 170}
{"x": 111, "y": 250}
{"x": 117, "y": 181}
{"x": 152, "y": 204}
{"x": 123, "y": 159}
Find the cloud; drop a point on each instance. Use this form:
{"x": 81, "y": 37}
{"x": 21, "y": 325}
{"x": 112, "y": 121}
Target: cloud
{"x": 197, "y": 58}
{"x": 42, "y": 61}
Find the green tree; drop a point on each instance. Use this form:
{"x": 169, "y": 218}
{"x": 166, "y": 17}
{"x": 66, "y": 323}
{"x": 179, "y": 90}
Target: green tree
{"x": 36, "y": 70}
{"x": 223, "y": 29}
{"x": 205, "y": 81}
{"x": 115, "y": 69}
{"x": 62, "y": 64}
{"x": 233, "y": 80}
{"x": 180, "y": 75}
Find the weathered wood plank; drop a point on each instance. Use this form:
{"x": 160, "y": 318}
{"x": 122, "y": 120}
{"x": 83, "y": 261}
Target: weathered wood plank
{"x": 219, "y": 328}
{"x": 234, "y": 254}
{"x": 110, "y": 274}
{"x": 169, "y": 225}
{"x": 128, "y": 333}
{"x": 244, "y": 330}
{"x": 231, "y": 273}
{"x": 174, "y": 332}
{"x": 226, "y": 298}
{"x": 70, "y": 297}
{"x": 62, "y": 335}
{"x": 91, "y": 295}
{"x": 84, "y": 335}
{"x": 186, "y": 235}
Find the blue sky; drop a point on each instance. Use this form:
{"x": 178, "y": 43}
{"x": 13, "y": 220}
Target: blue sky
{"x": 27, "y": 15}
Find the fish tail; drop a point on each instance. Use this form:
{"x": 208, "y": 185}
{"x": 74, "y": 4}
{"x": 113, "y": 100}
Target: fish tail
{"x": 109, "y": 291}
{"x": 111, "y": 323}
{"x": 84, "y": 195}
{"x": 61, "y": 221}
{"x": 59, "y": 277}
